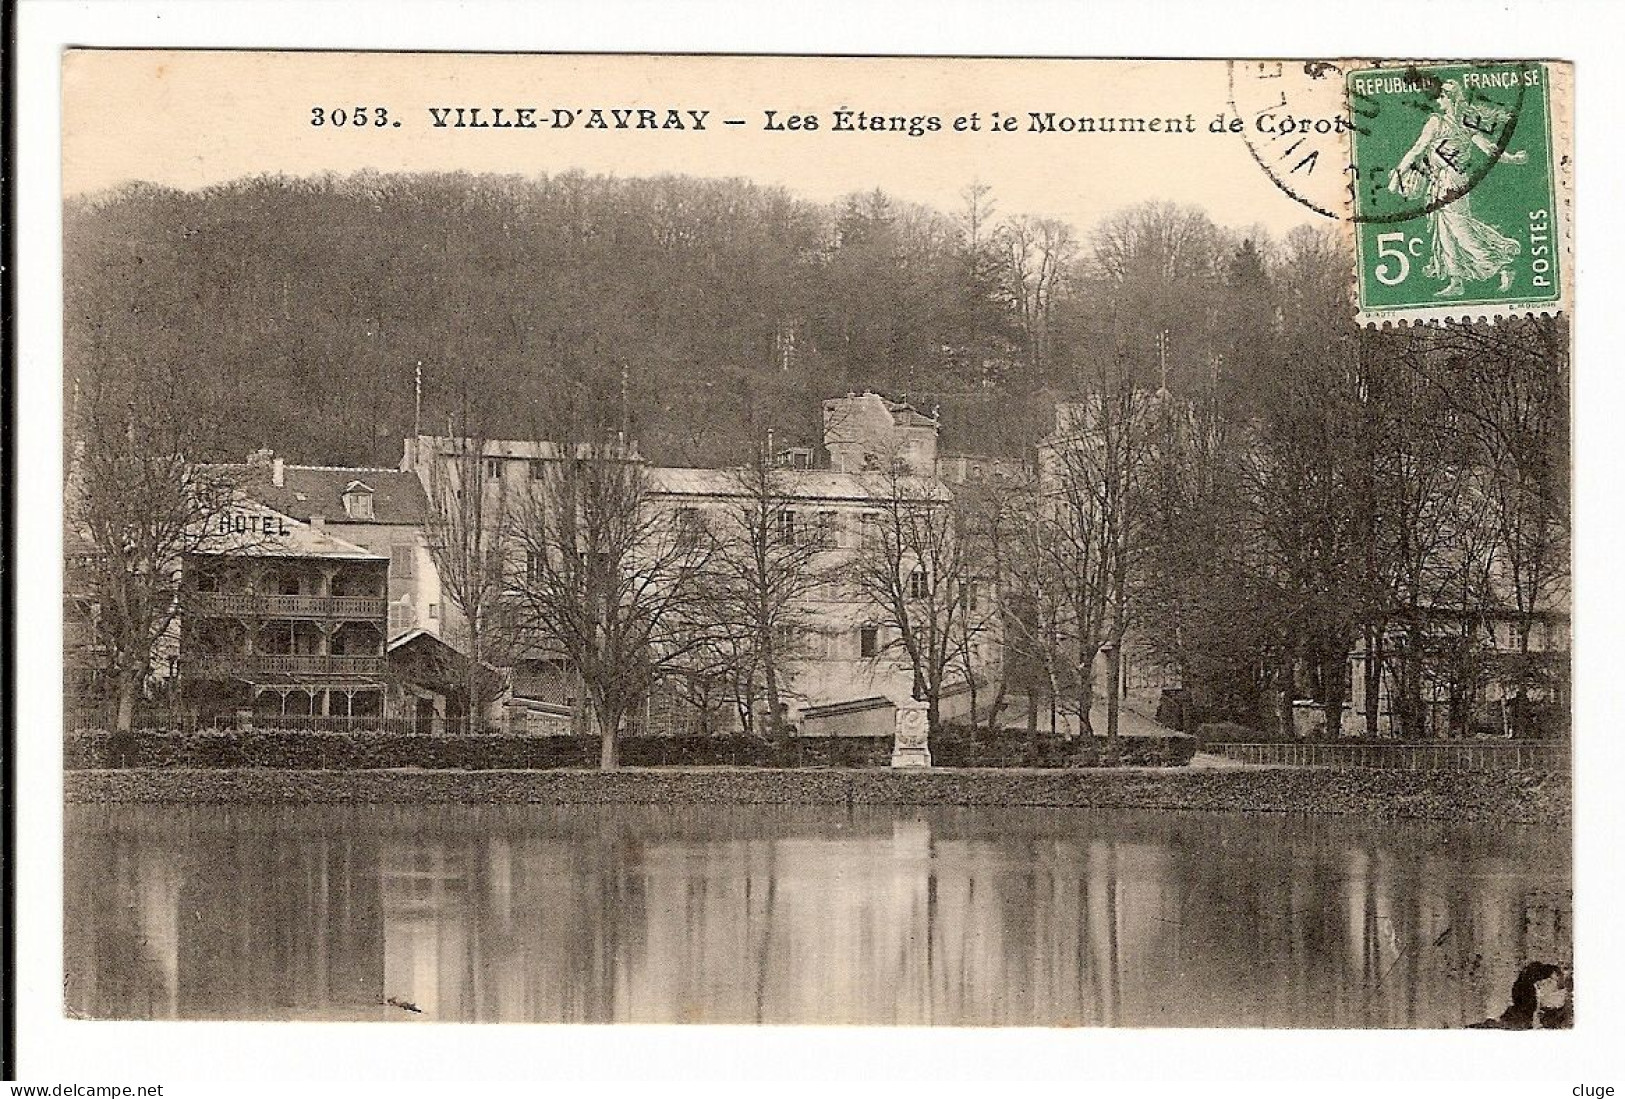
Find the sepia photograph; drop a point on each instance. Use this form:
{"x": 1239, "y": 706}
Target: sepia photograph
{"x": 765, "y": 540}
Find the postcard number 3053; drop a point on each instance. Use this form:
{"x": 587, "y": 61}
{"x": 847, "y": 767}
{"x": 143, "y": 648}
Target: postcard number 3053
{"x": 357, "y": 117}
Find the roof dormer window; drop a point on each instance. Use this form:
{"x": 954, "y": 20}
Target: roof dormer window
{"x": 358, "y": 500}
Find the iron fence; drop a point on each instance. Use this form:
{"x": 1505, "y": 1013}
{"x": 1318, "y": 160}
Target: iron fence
{"x": 1453, "y": 756}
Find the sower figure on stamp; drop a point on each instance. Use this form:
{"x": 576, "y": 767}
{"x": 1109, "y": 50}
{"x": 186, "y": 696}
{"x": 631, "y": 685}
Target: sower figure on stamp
{"x": 1465, "y": 249}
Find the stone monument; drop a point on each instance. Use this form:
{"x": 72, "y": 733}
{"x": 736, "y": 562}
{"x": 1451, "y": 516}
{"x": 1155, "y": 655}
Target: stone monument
{"x": 910, "y": 747}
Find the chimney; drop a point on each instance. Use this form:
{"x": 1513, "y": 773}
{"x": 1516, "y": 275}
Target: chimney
{"x": 318, "y": 525}
{"x": 276, "y": 472}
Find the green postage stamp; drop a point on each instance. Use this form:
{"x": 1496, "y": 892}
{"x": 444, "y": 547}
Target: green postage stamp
{"x": 1460, "y": 201}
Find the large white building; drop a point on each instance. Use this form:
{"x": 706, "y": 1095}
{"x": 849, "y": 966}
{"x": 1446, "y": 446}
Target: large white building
{"x": 848, "y": 670}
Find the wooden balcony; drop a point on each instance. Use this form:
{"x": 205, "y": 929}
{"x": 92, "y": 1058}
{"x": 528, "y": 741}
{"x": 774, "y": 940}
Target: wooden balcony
{"x": 276, "y": 664}
{"x": 287, "y": 606}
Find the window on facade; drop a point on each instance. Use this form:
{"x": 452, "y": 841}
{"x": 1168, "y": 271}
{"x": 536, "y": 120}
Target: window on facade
{"x": 400, "y": 562}
{"x": 534, "y": 564}
{"x": 505, "y": 619}
{"x": 973, "y": 596}
{"x": 687, "y": 520}
{"x": 493, "y": 468}
{"x": 828, "y": 529}
{"x": 869, "y": 526}
{"x": 918, "y": 584}
{"x": 434, "y": 611}
{"x": 538, "y": 469}
{"x": 869, "y": 641}
{"x": 402, "y": 616}
{"x": 783, "y": 635}
{"x": 787, "y": 527}
{"x": 358, "y": 504}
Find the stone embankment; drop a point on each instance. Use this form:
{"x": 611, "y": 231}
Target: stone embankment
{"x": 1521, "y": 797}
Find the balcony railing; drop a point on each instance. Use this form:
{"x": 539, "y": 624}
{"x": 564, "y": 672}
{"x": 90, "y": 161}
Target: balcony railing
{"x": 277, "y": 664}
{"x": 290, "y": 606}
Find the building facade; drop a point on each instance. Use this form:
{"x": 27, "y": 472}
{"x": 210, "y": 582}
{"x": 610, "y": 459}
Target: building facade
{"x": 1465, "y": 673}
{"x": 279, "y": 618}
{"x": 384, "y": 511}
{"x": 847, "y": 671}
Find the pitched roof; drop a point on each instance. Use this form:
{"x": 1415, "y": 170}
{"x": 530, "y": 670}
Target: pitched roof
{"x": 448, "y": 445}
{"x": 905, "y": 415}
{"x": 252, "y": 528}
{"x": 397, "y": 496}
{"x": 813, "y": 484}
{"x": 435, "y": 641}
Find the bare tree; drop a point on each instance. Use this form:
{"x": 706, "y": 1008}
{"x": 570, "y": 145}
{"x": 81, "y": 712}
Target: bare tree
{"x": 1071, "y": 567}
{"x": 988, "y": 518}
{"x": 141, "y": 500}
{"x": 1508, "y": 385}
{"x": 1096, "y": 513}
{"x": 772, "y": 555}
{"x": 1301, "y": 509}
{"x": 1156, "y": 242}
{"x": 470, "y": 537}
{"x": 1038, "y": 259}
{"x": 611, "y": 582}
{"x": 913, "y": 565}
{"x": 1028, "y": 590}
{"x": 720, "y": 669}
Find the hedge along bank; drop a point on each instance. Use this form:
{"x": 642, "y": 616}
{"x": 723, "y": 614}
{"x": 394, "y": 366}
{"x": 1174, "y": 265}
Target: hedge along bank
{"x": 951, "y": 747}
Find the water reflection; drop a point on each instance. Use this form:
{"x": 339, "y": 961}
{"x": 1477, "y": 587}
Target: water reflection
{"x": 775, "y": 915}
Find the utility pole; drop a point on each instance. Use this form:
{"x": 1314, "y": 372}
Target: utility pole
{"x": 1112, "y": 675}
{"x": 417, "y": 402}
{"x": 626, "y": 404}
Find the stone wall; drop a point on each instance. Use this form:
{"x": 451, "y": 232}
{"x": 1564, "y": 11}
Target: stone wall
{"x": 1501, "y": 797}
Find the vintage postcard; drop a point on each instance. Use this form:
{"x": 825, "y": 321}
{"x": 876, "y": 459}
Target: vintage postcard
{"x": 725, "y": 539}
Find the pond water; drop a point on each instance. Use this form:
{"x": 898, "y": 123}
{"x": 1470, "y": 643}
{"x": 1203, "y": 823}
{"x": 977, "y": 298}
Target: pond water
{"x": 756, "y": 914}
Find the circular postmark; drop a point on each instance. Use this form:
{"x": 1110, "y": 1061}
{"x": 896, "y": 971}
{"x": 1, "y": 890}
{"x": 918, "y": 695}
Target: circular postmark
{"x": 1376, "y": 143}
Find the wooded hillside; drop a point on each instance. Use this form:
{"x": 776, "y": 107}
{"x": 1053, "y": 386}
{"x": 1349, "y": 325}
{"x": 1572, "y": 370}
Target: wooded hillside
{"x": 694, "y": 313}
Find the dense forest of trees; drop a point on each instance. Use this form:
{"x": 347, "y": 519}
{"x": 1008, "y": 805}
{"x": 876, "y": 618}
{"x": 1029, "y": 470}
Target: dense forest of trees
{"x": 693, "y": 313}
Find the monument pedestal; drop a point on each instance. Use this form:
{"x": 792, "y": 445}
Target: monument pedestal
{"x": 911, "y": 740}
